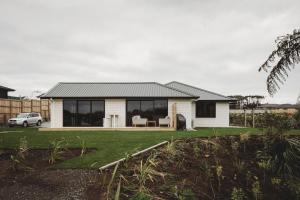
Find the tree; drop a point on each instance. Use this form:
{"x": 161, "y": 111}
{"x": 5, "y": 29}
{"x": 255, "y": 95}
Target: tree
{"x": 282, "y": 59}
{"x": 298, "y": 99}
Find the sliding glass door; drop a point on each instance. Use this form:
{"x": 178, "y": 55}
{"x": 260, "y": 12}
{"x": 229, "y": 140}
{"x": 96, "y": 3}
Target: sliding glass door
{"x": 150, "y": 109}
{"x": 97, "y": 113}
{"x": 69, "y": 114}
{"x": 83, "y": 113}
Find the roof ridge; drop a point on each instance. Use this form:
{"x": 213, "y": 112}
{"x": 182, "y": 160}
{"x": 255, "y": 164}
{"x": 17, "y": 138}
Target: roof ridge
{"x": 176, "y": 90}
{"x": 158, "y": 89}
{"x": 106, "y": 82}
{"x": 198, "y": 89}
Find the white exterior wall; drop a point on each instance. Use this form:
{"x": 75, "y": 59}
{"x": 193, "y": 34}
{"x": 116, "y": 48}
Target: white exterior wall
{"x": 56, "y": 113}
{"x": 184, "y": 107}
{"x": 221, "y": 119}
{"x": 116, "y": 107}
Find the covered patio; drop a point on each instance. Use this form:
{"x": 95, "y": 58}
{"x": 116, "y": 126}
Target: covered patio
{"x": 109, "y": 129}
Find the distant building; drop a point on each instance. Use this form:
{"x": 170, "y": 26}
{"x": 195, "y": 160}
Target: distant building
{"x": 4, "y": 92}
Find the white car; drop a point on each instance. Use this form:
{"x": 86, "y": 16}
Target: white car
{"x": 26, "y": 119}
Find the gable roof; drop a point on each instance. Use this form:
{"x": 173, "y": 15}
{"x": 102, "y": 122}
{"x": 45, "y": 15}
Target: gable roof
{"x": 201, "y": 93}
{"x": 6, "y": 89}
{"x": 113, "y": 90}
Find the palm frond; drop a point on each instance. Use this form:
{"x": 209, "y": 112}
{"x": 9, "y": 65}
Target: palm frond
{"x": 287, "y": 55}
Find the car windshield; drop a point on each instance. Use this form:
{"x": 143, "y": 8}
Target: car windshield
{"x": 22, "y": 115}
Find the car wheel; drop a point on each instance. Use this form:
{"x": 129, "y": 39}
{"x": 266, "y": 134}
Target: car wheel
{"x": 39, "y": 123}
{"x": 25, "y": 124}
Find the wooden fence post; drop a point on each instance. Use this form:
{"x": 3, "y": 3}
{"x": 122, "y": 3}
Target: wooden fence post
{"x": 41, "y": 107}
{"x": 48, "y": 113}
{"x": 253, "y": 119}
{"x": 31, "y": 109}
{"x": 174, "y": 112}
{"x": 10, "y": 108}
{"x": 245, "y": 118}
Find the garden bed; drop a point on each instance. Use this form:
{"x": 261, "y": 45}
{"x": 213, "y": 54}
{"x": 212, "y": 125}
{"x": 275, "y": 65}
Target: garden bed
{"x": 193, "y": 168}
{"x": 196, "y": 168}
{"x": 35, "y": 178}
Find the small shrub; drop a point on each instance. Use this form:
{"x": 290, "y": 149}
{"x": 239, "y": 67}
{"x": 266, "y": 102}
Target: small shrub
{"x": 197, "y": 150}
{"x": 145, "y": 172}
{"x": 57, "y": 148}
{"x": 82, "y": 145}
{"x": 18, "y": 163}
{"x": 249, "y": 177}
{"x": 285, "y": 156}
{"x": 256, "y": 190}
{"x": 14, "y": 163}
{"x": 265, "y": 165}
{"x": 244, "y": 137}
{"x": 206, "y": 169}
{"x": 276, "y": 181}
{"x": 23, "y": 147}
{"x": 219, "y": 170}
{"x": 239, "y": 165}
{"x": 235, "y": 148}
{"x": 238, "y": 194}
{"x": 171, "y": 148}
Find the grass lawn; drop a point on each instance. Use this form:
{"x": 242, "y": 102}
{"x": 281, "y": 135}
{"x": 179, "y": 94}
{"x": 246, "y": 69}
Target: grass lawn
{"x": 110, "y": 145}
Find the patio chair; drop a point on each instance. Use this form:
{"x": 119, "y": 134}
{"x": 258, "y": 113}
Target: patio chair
{"x": 164, "y": 121}
{"x": 137, "y": 120}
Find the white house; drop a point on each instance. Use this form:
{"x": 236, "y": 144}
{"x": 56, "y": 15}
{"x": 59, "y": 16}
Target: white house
{"x": 107, "y": 105}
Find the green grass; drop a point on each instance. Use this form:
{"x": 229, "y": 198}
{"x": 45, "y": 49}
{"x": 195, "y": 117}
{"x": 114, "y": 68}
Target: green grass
{"x": 110, "y": 145}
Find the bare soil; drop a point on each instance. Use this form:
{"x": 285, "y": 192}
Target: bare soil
{"x": 34, "y": 178}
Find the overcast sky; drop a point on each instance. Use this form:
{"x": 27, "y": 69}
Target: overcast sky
{"x": 215, "y": 45}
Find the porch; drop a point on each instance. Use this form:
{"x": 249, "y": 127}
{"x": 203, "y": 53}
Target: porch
{"x": 109, "y": 129}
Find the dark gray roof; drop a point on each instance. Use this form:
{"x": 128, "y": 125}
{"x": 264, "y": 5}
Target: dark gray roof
{"x": 106, "y": 90}
{"x": 6, "y": 88}
{"x": 201, "y": 93}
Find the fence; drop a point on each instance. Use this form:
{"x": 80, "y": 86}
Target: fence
{"x": 10, "y": 108}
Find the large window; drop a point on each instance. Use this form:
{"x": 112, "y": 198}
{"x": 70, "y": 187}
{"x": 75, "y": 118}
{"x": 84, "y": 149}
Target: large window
{"x": 205, "y": 109}
{"x": 150, "y": 109}
{"x": 83, "y": 112}
{"x": 70, "y": 110}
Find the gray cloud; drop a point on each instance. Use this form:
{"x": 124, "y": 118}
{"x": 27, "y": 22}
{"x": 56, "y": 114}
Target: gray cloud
{"x": 217, "y": 45}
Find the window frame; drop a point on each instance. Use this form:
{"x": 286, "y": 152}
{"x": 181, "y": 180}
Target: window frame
{"x": 155, "y": 113}
{"x": 208, "y": 114}
{"x": 75, "y": 122}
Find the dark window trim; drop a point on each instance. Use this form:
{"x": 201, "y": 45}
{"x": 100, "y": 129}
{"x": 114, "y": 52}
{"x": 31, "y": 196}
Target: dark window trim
{"x": 143, "y": 99}
{"x": 63, "y": 100}
{"x": 206, "y": 101}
